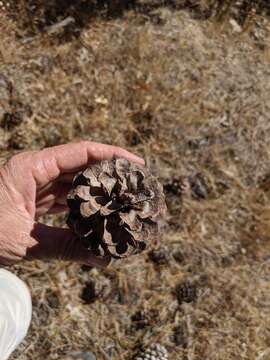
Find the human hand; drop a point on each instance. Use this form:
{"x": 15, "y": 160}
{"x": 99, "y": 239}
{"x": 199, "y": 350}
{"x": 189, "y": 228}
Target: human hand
{"x": 36, "y": 183}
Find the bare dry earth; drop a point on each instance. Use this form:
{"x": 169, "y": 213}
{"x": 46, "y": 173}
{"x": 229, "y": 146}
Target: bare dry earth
{"x": 193, "y": 97}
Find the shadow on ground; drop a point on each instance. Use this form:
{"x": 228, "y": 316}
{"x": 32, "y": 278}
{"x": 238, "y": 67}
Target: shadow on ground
{"x": 41, "y": 14}
{"x": 38, "y": 15}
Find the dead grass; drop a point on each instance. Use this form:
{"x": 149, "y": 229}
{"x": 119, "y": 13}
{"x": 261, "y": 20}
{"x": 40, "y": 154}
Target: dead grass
{"x": 186, "y": 88}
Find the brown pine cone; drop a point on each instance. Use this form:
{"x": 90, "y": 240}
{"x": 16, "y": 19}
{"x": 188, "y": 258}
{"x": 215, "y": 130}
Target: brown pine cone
{"x": 154, "y": 352}
{"x": 116, "y": 208}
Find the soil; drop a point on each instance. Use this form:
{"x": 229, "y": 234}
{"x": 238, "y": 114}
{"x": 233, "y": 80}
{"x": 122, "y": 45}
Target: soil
{"x": 185, "y": 84}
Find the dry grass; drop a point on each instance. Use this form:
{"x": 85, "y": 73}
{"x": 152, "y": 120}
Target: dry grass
{"x": 186, "y": 84}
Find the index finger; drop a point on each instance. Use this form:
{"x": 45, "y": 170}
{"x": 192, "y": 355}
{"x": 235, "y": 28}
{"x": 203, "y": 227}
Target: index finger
{"x": 49, "y": 163}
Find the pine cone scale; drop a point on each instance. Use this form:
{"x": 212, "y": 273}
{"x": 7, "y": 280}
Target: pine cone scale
{"x": 131, "y": 221}
{"x": 107, "y": 181}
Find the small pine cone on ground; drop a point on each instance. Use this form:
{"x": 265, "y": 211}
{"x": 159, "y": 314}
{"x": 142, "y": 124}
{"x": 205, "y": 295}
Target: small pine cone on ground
{"x": 116, "y": 208}
{"x": 154, "y": 352}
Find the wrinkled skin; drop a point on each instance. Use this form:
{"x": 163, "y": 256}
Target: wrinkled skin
{"x": 36, "y": 183}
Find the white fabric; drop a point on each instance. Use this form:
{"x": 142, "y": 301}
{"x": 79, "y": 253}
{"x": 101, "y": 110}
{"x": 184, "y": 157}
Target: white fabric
{"x": 15, "y": 312}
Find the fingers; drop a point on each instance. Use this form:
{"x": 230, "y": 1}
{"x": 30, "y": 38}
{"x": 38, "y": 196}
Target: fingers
{"x": 49, "y": 163}
{"x": 52, "y": 198}
{"x": 57, "y": 243}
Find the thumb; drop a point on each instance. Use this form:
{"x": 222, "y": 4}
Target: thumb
{"x": 58, "y": 243}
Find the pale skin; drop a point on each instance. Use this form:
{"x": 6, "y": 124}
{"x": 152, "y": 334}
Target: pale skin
{"x": 36, "y": 183}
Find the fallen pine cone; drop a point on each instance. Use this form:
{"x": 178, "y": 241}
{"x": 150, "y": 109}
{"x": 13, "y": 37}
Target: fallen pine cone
{"x": 116, "y": 208}
{"x": 154, "y": 352}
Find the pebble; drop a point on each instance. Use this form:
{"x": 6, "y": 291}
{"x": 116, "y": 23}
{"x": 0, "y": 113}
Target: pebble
{"x": 87, "y": 355}
{"x": 235, "y": 26}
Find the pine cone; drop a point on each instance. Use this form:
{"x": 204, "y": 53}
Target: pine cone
{"x": 154, "y": 352}
{"x": 116, "y": 208}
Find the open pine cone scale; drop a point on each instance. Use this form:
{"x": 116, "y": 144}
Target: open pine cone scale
{"x": 116, "y": 207}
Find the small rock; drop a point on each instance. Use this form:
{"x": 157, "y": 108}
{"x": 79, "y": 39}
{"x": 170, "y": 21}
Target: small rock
{"x": 236, "y": 28}
{"x": 198, "y": 186}
{"x": 87, "y": 355}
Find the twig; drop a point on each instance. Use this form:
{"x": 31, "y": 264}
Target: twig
{"x": 52, "y": 29}
{"x": 61, "y": 24}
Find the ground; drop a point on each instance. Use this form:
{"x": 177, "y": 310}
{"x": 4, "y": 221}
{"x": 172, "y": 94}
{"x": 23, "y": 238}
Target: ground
{"x": 185, "y": 84}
